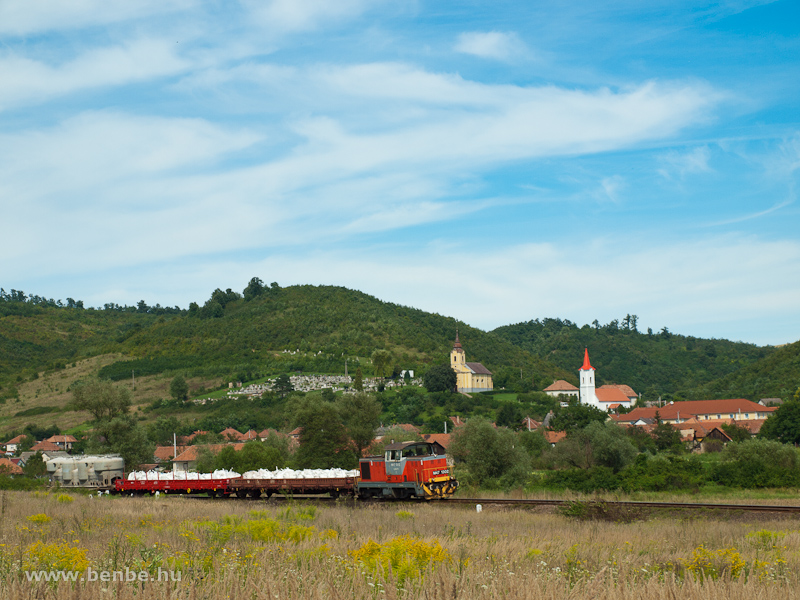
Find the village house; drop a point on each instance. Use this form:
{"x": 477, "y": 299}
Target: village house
{"x": 7, "y": 467}
{"x": 45, "y": 446}
{"x": 562, "y": 388}
{"x": 13, "y": 444}
{"x": 63, "y": 441}
{"x": 738, "y": 409}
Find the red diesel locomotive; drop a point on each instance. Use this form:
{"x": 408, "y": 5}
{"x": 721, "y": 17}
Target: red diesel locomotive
{"x": 407, "y": 470}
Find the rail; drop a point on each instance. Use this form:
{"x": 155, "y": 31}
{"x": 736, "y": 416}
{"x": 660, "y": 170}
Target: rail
{"x": 629, "y": 504}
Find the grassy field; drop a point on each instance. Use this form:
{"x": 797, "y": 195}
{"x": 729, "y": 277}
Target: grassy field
{"x": 254, "y": 549}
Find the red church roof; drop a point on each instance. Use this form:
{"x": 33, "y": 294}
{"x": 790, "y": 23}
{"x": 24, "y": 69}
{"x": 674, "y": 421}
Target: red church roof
{"x": 586, "y": 364}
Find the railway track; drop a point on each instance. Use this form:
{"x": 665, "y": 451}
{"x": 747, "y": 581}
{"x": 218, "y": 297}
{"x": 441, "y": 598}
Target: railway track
{"x": 629, "y": 504}
{"x": 553, "y": 503}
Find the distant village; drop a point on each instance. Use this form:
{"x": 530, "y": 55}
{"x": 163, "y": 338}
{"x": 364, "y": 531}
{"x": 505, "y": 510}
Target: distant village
{"x": 698, "y": 422}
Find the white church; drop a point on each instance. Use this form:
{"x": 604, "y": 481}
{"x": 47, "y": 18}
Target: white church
{"x": 606, "y": 397}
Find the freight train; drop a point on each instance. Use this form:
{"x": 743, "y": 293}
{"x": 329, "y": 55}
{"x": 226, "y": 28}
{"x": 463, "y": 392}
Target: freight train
{"x": 404, "y": 471}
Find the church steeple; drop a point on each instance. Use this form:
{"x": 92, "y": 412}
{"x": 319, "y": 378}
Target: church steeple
{"x": 457, "y": 353}
{"x": 587, "y": 366}
{"x": 586, "y": 375}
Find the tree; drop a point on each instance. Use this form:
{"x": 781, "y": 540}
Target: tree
{"x": 737, "y": 433}
{"x": 206, "y": 459}
{"x": 596, "y": 445}
{"x": 324, "y": 442}
{"x": 254, "y": 289}
{"x": 124, "y": 436}
{"x": 440, "y": 378}
{"x": 358, "y": 380}
{"x": 576, "y": 416}
{"x": 101, "y": 398}
{"x": 610, "y": 446}
{"x": 783, "y": 425}
{"x": 393, "y": 435}
{"x": 361, "y": 414}
{"x": 161, "y": 431}
{"x": 666, "y": 437}
{"x": 381, "y": 359}
{"x": 179, "y": 389}
{"x": 283, "y": 385}
{"x": 254, "y": 455}
{"x": 490, "y": 453}
{"x": 35, "y": 466}
{"x": 509, "y": 416}
{"x": 534, "y": 442}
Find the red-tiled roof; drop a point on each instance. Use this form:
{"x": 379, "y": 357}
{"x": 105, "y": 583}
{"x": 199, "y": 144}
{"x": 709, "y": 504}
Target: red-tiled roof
{"x": 268, "y": 432}
{"x": 479, "y": 369}
{"x": 9, "y": 468}
{"x": 561, "y": 386}
{"x": 185, "y": 439}
{"x": 611, "y": 395}
{"x": 44, "y": 447}
{"x": 250, "y": 435}
{"x": 408, "y": 427}
{"x": 691, "y": 408}
{"x": 626, "y": 389}
{"x": 17, "y": 439}
{"x": 443, "y": 439}
{"x": 230, "y": 432}
{"x": 192, "y": 452}
{"x": 554, "y": 437}
{"x": 531, "y": 424}
{"x": 457, "y": 422}
{"x": 60, "y": 439}
{"x": 165, "y": 453}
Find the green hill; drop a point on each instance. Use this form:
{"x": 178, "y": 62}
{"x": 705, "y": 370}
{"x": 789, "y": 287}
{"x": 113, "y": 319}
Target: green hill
{"x": 300, "y": 328}
{"x": 655, "y": 364}
{"x": 776, "y": 376}
{"x": 314, "y": 329}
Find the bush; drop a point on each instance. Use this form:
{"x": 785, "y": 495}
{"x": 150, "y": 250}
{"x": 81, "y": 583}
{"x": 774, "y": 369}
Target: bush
{"x": 490, "y": 453}
{"x": 758, "y": 463}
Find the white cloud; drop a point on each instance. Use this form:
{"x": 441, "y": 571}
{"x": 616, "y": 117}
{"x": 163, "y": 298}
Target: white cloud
{"x": 29, "y": 81}
{"x": 95, "y": 156}
{"x": 114, "y": 174}
{"x": 303, "y": 15}
{"x": 21, "y": 17}
{"x": 679, "y": 165}
{"x": 492, "y": 44}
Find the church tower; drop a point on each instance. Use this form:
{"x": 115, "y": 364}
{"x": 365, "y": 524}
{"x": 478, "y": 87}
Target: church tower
{"x": 587, "y": 382}
{"x": 457, "y": 356}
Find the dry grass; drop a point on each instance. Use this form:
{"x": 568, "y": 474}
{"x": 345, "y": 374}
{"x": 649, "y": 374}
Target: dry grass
{"x": 241, "y": 549}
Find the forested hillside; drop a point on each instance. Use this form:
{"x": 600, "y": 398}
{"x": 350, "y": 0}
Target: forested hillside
{"x": 656, "y": 363}
{"x": 265, "y": 330}
{"x": 776, "y": 376}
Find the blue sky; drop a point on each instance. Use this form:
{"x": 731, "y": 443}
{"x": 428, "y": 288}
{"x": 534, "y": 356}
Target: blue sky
{"x": 492, "y": 161}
